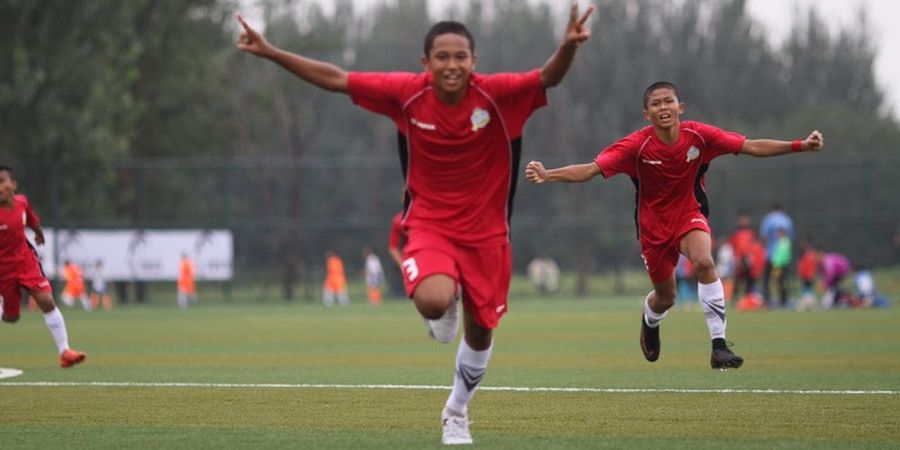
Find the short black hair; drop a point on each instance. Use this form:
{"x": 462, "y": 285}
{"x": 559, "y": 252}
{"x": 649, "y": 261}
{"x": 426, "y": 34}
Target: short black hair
{"x": 8, "y": 170}
{"x": 447, "y": 27}
{"x": 659, "y": 85}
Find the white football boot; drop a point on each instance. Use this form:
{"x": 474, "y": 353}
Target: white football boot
{"x": 456, "y": 428}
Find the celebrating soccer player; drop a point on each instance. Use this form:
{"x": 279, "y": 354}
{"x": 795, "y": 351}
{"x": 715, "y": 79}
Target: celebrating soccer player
{"x": 462, "y": 134}
{"x": 667, "y": 161}
{"x": 20, "y": 267}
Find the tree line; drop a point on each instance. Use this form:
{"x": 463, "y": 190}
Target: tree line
{"x": 144, "y": 113}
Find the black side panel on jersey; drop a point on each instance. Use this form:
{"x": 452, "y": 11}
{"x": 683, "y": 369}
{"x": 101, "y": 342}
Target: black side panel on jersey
{"x": 403, "y": 151}
{"x": 700, "y": 190}
{"x": 37, "y": 258}
{"x": 637, "y": 199}
{"x": 516, "y": 149}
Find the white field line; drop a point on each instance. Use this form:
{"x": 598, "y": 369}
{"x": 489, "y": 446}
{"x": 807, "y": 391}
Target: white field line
{"x": 425, "y": 387}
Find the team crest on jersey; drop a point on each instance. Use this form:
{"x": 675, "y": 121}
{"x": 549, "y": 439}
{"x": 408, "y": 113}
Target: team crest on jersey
{"x": 693, "y": 153}
{"x": 480, "y": 118}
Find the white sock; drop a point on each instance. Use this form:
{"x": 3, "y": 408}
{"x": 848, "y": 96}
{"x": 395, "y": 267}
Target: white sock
{"x": 57, "y": 327}
{"x": 652, "y": 318}
{"x": 470, "y": 368}
{"x": 712, "y": 299}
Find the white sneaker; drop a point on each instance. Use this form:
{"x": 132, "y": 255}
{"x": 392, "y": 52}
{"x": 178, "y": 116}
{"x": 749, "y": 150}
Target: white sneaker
{"x": 456, "y": 428}
{"x": 444, "y": 329}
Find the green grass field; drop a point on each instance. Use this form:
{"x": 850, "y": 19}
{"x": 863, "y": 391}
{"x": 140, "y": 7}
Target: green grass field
{"x": 243, "y": 376}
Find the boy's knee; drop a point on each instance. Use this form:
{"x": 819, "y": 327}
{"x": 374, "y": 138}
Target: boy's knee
{"x": 432, "y": 307}
{"x": 704, "y": 265}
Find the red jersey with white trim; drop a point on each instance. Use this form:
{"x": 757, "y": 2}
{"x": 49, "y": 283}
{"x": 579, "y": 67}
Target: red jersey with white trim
{"x": 669, "y": 178}
{"x": 462, "y": 158}
{"x": 14, "y": 248}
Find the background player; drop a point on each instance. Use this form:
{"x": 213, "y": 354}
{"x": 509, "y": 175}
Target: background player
{"x": 667, "y": 161}
{"x": 335, "y": 285}
{"x": 462, "y": 135}
{"x": 186, "y": 290}
{"x": 74, "y": 287}
{"x": 20, "y": 267}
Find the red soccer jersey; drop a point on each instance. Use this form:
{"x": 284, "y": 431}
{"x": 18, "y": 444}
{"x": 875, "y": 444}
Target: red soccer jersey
{"x": 14, "y": 248}
{"x": 742, "y": 240}
{"x": 462, "y": 158}
{"x": 668, "y": 178}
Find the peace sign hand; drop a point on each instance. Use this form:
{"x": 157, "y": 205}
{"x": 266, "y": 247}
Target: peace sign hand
{"x": 576, "y": 31}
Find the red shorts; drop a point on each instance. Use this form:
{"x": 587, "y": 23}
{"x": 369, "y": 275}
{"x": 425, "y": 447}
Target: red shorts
{"x": 483, "y": 272}
{"x": 29, "y": 276}
{"x": 661, "y": 260}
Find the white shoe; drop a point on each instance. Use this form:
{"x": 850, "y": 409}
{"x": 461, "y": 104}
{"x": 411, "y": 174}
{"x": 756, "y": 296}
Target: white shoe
{"x": 444, "y": 329}
{"x": 456, "y": 428}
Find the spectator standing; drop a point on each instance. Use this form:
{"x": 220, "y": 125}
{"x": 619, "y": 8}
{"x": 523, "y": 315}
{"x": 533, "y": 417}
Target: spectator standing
{"x": 742, "y": 239}
{"x": 779, "y": 260}
{"x": 776, "y": 219}
{"x": 807, "y": 270}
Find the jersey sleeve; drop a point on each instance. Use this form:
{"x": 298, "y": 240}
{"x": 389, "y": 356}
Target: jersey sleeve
{"x": 382, "y": 92}
{"x": 31, "y": 218}
{"x": 518, "y": 95}
{"x": 718, "y": 141}
{"x": 620, "y": 156}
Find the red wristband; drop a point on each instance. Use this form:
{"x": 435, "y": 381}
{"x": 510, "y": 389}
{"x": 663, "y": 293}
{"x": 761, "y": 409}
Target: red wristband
{"x": 796, "y": 145}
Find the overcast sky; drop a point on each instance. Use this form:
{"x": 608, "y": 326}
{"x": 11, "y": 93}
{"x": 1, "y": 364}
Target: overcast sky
{"x": 778, "y": 15}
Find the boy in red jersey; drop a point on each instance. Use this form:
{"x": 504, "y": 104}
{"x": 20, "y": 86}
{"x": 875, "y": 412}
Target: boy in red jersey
{"x": 667, "y": 161}
{"x": 461, "y": 136}
{"x": 20, "y": 267}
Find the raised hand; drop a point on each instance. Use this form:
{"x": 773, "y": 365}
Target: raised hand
{"x": 814, "y": 142}
{"x": 251, "y": 41}
{"x": 576, "y": 31}
{"x": 535, "y": 172}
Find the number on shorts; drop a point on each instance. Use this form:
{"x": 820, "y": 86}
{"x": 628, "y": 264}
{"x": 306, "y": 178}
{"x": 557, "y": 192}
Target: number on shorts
{"x": 411, "y": 269}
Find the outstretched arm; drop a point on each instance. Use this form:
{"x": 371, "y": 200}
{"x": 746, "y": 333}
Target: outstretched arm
{"x": 324, "y": 75}
{"x": 769, "y": 147}
{"x": 576, "y": 33}
{"x": 576, "y": 173}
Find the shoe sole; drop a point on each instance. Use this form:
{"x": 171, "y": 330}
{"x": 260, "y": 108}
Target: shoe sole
{"x": 732, "y": 364}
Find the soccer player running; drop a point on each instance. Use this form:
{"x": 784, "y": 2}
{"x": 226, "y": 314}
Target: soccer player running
{"x": 461, "y": 134}
{"x": 20, "y": 267}
{"x": 667, "y": 162}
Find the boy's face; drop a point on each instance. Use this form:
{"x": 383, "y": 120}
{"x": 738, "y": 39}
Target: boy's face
{"x": 450, "y": 62}
{"x": 663, "y": 108}
{"x": 7, "y": 188}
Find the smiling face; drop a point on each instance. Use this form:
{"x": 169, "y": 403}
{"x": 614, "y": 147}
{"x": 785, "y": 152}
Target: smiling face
{"x": 7, "y": 188}
{"x": 450, "y": 61}
{"x": 662, "y": 108}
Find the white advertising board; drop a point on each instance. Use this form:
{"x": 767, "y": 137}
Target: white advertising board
{"x": 145, "y": 255}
